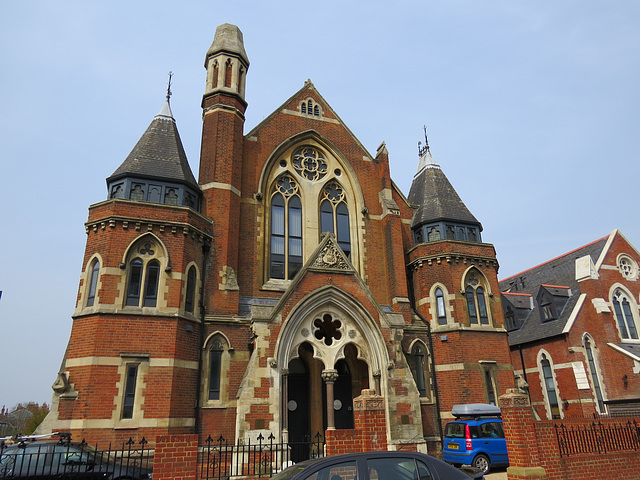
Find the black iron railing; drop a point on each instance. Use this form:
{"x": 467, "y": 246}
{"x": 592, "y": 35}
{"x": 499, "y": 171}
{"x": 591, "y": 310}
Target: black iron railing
{"x": 261, "y": 458}
{"x": 597, "y": 438}
{"x": 26, "y": 457}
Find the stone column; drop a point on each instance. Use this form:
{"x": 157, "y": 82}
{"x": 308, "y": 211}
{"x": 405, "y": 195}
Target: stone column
{"x": 376, "y": 379}
{"x": 329, "y": 376}
{"x": 520, "y": 433}
{"x": 285, "y": 405}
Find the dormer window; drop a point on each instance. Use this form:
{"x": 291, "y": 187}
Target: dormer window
{"x": 552, "y": 300}
{"x": 546, "y": 307}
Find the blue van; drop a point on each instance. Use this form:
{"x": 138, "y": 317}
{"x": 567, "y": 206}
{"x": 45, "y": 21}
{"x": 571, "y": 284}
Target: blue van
{"x": 475, "y": 437}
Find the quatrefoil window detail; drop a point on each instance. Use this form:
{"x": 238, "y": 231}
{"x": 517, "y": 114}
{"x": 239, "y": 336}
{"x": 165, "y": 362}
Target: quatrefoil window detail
{"x": 309, "y": 163}
{"x": 327, "y": 329}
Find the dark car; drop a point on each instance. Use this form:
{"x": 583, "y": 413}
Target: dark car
{"x": 66, "y": 460}
{"x": 476, "y": 437}
{"x": 375, "y": 466}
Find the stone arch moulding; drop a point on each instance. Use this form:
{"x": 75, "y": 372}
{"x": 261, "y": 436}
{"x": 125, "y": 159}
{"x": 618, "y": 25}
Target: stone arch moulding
{"x": 420, "y": 341}
{"x": 164, "y": 255}
{"x": 218, "y": 333}
{"x": 330, "y": 299}
{"x": 312, "y": 136}
{"x": 485, "y": 280}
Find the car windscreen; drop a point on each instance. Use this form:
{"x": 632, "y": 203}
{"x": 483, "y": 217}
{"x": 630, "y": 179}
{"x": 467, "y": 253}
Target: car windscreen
{"x": 454, "y": 430}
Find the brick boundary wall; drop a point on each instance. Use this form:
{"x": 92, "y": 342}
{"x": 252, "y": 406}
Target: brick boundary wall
{"x": 534, "y": 453}
{"x": 176, "y": 457}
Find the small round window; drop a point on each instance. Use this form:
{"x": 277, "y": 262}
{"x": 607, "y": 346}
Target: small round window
{"x": 628, "y": 267}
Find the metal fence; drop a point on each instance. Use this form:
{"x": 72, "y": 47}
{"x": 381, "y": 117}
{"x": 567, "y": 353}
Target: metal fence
{"x": 597, "y": 438}
{"x": 28, "y": 457}
{"x": 220, "y": 459}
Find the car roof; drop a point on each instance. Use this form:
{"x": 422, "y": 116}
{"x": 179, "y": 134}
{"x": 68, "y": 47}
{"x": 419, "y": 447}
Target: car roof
{"x": 443, "y": 469}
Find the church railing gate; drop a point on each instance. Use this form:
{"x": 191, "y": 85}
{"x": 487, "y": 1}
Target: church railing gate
{"x": 263, "y": 457}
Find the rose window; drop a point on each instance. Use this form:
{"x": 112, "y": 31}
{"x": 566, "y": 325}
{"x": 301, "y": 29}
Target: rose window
{"x": 309, "y": 163}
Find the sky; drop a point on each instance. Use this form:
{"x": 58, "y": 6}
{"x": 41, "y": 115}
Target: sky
{"x": 532, "y": 110}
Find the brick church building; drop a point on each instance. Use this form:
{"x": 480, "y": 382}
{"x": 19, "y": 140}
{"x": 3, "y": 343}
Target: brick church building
{"x": 268, "y": 293}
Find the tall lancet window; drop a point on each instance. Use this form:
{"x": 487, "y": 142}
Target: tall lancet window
{"x": 286, "y": 229}
{"x": 624, "y": 315}
{"x": 334, "y": 215}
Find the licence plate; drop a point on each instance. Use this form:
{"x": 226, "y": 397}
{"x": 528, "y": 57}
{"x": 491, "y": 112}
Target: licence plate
{"x": 453, "y": 446}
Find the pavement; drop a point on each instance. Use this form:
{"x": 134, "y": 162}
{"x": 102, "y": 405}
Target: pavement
{"x": 497, "y": 474}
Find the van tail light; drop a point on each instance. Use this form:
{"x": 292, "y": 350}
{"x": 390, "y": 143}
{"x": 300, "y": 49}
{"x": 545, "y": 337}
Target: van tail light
{"x": 467, "y": 436}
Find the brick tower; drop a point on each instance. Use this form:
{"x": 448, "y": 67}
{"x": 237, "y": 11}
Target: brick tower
{"x": 131, "y": 365}
{"x": 454, "y": 283}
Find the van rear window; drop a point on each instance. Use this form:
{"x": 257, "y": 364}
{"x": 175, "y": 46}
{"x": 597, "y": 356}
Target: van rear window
{"x": 454, "y": 430}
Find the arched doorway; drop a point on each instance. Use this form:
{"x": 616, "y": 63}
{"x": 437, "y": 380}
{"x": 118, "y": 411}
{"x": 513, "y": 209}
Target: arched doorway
{"x": 307, "y": 396}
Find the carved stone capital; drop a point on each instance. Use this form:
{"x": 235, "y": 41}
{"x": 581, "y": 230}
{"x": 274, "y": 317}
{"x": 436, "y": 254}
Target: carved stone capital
{"x": 330, "y": 375}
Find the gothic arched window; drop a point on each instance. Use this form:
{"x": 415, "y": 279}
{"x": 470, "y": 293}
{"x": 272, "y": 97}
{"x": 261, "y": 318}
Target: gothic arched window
{"x": 440, "y": 307}
{"x": 549, "y": 383}
{"x": 215, "y": 369}
{"x": 286, "y": 229}
{"x": 334, "y": 215}
{"x": 419, "y": 360}
{"x": 93, "y": 282}
{"x": 476, "y": 301}
{"x": 595, "y": 378}
{"x": 143, "y": 280}
{"x": 622, "y": 306}
{"x": 189, "y": 300}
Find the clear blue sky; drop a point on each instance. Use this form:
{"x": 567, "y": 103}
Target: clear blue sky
{"x": 532, "y": 109}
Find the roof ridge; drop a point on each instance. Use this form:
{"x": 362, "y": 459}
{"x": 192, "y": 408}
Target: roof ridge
{"x": 553, "y": 259}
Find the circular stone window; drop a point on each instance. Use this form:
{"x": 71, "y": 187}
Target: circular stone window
{"x": 628, "y": 267}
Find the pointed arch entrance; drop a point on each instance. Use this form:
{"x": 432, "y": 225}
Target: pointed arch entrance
{"x": 329, "y": 350}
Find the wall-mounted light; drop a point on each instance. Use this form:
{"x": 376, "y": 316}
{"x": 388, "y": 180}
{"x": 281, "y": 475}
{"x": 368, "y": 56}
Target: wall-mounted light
{"x": 625, "y": 380}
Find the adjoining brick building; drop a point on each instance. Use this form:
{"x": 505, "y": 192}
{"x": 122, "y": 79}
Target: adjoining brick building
{"x": 266, "y": 295}
{"x": 573, "y": 330}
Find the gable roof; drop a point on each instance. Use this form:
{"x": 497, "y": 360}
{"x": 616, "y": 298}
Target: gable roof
{"x": 313, "y": 91}
{"x": 558, "y": 273}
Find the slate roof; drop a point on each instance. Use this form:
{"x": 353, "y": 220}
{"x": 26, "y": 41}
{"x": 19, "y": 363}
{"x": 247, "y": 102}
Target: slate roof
{"x": 159, "y": 154}
{"x": 435, "y": 197}
{"x": 557, "y": 272}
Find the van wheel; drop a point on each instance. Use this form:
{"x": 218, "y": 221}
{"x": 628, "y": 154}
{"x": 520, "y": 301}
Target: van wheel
{"x": 482, "y": 462}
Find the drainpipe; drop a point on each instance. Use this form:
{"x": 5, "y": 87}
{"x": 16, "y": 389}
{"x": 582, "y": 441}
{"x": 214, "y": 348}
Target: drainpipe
{"x": 205, "y": 254}
{"x": 524, "y": 370}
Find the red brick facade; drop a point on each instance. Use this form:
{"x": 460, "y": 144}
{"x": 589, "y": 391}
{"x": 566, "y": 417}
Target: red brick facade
{"x": 267, "y": 348}
{"x": 592, "y": 330}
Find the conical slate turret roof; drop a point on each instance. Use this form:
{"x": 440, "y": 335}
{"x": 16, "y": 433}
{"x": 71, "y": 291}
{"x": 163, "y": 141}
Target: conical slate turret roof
{"x": 159, "y": 154}
{"x": 435, "y": 196}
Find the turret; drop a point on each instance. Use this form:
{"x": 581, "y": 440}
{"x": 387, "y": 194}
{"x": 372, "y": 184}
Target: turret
{"x": 157, "y": 170}
{"x": 441, "y": 214}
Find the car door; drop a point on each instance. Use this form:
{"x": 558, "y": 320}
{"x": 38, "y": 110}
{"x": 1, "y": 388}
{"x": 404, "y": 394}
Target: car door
{"x": 493, "y": 441}
{"x": 337, "y": 471}
{"x": 397, "y": 468}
